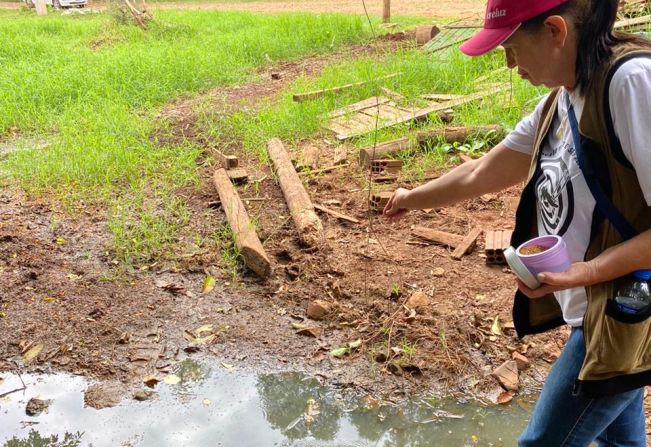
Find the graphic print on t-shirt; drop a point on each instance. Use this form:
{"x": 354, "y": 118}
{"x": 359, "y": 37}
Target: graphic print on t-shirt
{"x": 555, "y": 192}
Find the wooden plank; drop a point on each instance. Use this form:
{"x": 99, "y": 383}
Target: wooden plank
{"x": 467, "y": 244}
{"x": 299, "y": 97}
{"x": 386, "y": 112}
{"x": 437, "y": 237}
{"x": 300, "y": 206}
{"x": 636, "y": 21}
{"x": 238, "y": 176}
{"x": 226, "y": 161}
{"x": 393, "y": 95}
{"x": 440, "y": 97}
{"x": 439, "y": 108}
{"x": 449, "y": 134}
{"x": 338, "y": 128}
{"x": 336, "y": 214}
{"x": 246, "y": 239}
{"x": 370, "y": 102}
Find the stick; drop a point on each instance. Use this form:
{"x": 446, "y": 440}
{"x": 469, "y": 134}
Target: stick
{"x": 467, "y": 244}
{"x": 300, "y": 206}
{"x": 300, "y": 97}
{"x": 336, "y": 214}
{"x": 449, "y": 134}
{"x": 246, "y": 239}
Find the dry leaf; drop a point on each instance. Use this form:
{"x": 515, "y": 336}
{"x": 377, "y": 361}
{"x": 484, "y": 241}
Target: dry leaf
{"x": 299, "y": 326}
{"x": 32, "y": 353}
{"x": 314, "y": 331}
{"x": 49, "y": 299}
{"x": 208, "y": 284}
{"x": 172, "y": 379}
{"x": 496, "y": 328}
{"x": 339, "y": 352}
{"x": 205, "y": 328}
{"x": 60, "y": 241}
{"x": 150, "y": 381}
{"x": 505, "y": 397}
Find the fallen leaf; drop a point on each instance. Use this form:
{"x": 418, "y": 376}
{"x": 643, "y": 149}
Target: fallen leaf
{"x": 496, "y": 328}
{"x": 227, "y": 365}
{"x": 205, "y": 328}
{"x": 60, "y": 241}
{"x": 314, "y": 331}
{"x": 505, "y": 397}
{"x": 475, "y": 439}
{"x": 299, "y": 326}
{"x": 311, "y": 410}
{"x": 203, "y": 340}
{"x": 32, "y": 353}
{"x": 172, "y": 379}
{"x": 340, "y": 352}
{"x": 355, "y": 344}
{"x": 49, "y": 299}
{"x": 3, "y": 315}
{"x": 206, "y": 402}
{"x": 208, "y": 284}
{"x": 150, "y": 381}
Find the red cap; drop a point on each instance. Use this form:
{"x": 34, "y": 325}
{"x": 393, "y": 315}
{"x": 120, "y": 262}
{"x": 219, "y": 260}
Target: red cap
{"x": 503, "y": 18}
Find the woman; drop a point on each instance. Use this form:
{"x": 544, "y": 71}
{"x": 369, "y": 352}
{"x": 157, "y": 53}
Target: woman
{"x": 590, "y": 137}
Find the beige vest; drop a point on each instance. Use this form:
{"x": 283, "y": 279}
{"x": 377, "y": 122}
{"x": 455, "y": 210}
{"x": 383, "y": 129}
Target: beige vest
{"x": 618, "y": 345}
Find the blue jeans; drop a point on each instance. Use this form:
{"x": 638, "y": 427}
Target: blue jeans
{"x": 561, "y": 419}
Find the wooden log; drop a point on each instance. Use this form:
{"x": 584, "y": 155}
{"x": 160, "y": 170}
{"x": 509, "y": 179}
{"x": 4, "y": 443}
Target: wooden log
{"x": 300, "y": 206}
{"x": 437, "y": 237}
{"x": 467, "y": 244}
{"x": 336, "y": 214}
{"x": 246, "y": 239}
{"x": 300, "y": 97}
{"x": 227, "y": 161}
{"x": 448, "y": 134}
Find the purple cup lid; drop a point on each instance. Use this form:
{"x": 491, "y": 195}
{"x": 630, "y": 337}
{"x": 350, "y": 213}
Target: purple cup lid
{"x": 520, "y": 269}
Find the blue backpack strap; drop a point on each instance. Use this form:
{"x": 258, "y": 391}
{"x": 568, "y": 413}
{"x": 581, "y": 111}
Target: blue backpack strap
{"x": 604, "y": 204}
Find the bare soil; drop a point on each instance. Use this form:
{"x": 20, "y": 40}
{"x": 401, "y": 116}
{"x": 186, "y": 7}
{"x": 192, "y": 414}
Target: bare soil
{"x": 63, "y": 297}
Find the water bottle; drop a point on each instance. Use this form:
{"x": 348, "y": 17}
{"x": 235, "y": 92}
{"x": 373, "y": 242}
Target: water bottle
{"x": 634, "y": 294}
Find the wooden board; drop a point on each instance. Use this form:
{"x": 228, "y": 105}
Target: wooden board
{"x": 365, "y": 104}
{"x": 467, "y": 244}
{"x": 437, "y": 237}
{"x": 299, "y": 97}
{"x": 238, "y": 176}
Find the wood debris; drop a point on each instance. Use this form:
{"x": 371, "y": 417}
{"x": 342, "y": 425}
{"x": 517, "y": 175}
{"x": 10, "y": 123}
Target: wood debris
{"x": 437, "y": 237}
{"x": 300, "y": 97}
{"x": 467, "y": 244}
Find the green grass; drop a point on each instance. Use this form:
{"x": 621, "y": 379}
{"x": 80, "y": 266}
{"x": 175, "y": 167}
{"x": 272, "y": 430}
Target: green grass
{"x": 92, "y": 89}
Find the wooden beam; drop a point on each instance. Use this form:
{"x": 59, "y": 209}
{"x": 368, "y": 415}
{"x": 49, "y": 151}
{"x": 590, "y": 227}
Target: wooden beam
{"x": 227, "y": 161}
{"x": 448, "y": 134}
{"x": 336, "y": 214}
{"x": 467, "y": 244}
{"x": 239, "y": 176}
{"x": 246, "y": 239}
{"x": 300, "y": 206}
{"x": 300, "y": 97}
{"x": 437, "y": 237}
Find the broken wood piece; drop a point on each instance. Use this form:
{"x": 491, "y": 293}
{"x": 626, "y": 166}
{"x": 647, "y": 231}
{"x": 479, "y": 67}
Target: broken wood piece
{"x": 467, "y": 244}
{"x": 238, "y": 176}
{"x": 633, "y": 23}
{"x": 356, "y": 107}
{"x": 246, "y": 239}
{"x": 448, "y": 134}
{"x": 226, "y": 161}
{"x": 496, "y": 242}
{"x": 380, "y": 199}
{"x": 437, "y": 237}
{"x": 463, "y": 100}
{"x": 341, "y": 156}
{"x": 336, "y": 214}
{"x": 439, "y": 97}
{"x": 299, "y": 97}
{"x": 386, "y": 165}
{"x": 393, "y": 95}
{"x": 309, "y": 159}
{"x": 323, "y": 170}
{"x": 300, "y": 206}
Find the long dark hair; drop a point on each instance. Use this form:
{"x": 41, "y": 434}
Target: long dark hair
{"x": 594, "y": 21}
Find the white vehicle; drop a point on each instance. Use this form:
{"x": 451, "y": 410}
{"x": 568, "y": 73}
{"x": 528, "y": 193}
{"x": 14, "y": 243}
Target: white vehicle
{"x": 60, "y": 4}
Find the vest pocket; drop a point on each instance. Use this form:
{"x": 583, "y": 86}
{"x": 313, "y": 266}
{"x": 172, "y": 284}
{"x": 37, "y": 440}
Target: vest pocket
{"x": 625, "y": 342}
{"x": 613, "y": 311}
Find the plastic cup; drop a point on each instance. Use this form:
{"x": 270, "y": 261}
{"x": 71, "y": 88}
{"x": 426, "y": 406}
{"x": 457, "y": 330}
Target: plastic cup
{"x": 554, "y": 259}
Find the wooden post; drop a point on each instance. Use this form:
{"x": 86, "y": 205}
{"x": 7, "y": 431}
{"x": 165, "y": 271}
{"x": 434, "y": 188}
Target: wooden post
{"x": 300, "y": 206}
{"x": 386, "y": 12}
{"x": 246, "y": 239}
{"x": 41, "y": 9}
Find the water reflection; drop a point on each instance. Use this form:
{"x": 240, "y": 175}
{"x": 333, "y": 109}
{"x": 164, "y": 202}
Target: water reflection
{"x": 212, "y": 406}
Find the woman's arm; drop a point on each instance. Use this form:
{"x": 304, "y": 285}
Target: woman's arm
{"x": 497, "y": 170}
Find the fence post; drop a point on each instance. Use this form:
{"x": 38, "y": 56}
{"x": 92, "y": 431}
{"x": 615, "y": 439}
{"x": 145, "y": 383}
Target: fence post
{"x": 41, "y": 9}
{"x": 386, "y": 12}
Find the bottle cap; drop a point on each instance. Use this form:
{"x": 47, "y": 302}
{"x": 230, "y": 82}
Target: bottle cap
{"x": 644, "y": 275}
{"x": 520, "y": 269}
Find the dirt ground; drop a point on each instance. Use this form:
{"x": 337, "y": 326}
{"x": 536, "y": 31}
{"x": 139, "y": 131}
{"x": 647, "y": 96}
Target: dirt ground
{"x": 438, "y": 9}
{"x": 65, "y": 302}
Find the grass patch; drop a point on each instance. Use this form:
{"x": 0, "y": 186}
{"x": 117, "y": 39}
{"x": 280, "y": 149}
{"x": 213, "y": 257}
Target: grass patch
{"x": 92, "y": 88}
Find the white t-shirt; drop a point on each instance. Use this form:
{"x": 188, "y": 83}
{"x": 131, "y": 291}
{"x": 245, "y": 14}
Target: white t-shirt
{"x": 564, "y": 203}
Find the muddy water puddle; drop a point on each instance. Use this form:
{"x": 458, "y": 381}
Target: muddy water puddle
{"x": 204, "y": 406}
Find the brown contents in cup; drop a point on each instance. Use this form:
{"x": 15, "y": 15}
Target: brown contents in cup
{"x": 533, "y": 249}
